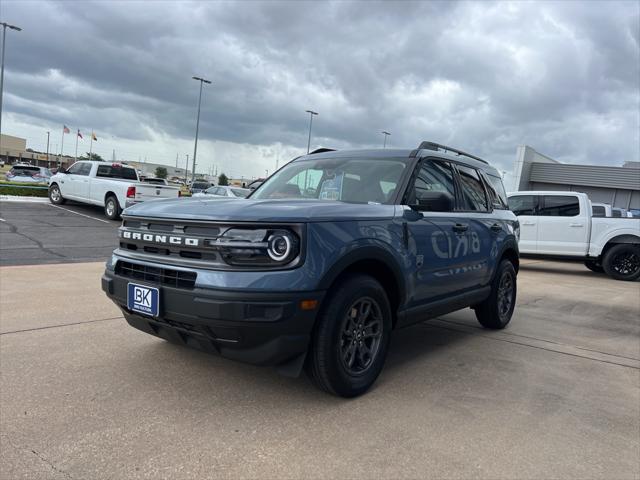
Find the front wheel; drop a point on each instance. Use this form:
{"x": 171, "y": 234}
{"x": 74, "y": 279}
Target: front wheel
{"x": 622, "y": 262}
{"x": 112, "y": 208}
{"x": 55, "y": 196}
{"x": 496, "y": 311}
{"x": 351, "y": 338}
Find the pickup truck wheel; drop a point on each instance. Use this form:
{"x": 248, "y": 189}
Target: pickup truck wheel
{"x": 351, "y": 337}
{"x": 55, "y": 196}
{"x": 112, "y": 208}
{"x": 496, "y": 311}
{"x": 593, "y": 266}
{"x": 622, "y": 262}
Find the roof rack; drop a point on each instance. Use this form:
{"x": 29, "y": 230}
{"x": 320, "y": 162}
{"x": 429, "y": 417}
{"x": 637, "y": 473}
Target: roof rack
{"x": 322, "y": 150}
{"x": 437, "y": 146}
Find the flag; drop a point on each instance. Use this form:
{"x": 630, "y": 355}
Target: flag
{"x": 93, "y": 135}
{"x": 65, "y": 129}
{"x": 79, "y": 134}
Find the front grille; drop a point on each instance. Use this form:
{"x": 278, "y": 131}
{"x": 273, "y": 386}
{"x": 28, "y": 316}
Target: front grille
{"x": 163, "y": 276}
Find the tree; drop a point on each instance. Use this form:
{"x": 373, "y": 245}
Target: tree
{"x": 161, "y": 172}
{"x": 92, "y": 156}
{"x": 223, "y": 180}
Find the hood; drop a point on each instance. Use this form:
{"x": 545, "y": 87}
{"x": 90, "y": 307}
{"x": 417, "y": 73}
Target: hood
{"x": 238, "y": 210}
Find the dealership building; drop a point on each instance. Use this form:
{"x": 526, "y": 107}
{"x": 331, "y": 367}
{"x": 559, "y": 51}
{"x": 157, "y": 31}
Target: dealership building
{"x": 617, "y": 186}
{"x": 14, "y": 150}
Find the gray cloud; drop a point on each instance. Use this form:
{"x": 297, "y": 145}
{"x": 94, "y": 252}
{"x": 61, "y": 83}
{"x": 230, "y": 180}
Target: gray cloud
{"x": 561, "y": 76}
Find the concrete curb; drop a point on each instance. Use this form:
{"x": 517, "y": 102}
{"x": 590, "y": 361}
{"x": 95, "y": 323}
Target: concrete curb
{"x": 15, "y": 198}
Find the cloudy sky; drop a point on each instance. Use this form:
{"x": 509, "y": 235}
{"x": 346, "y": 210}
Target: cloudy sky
{"x": 562, "y": 77}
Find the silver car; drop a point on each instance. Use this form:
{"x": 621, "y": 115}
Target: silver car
{"x": 229, "y": 192}
{"x": 28, "y": 174}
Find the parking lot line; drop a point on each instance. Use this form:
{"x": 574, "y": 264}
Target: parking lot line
{"x": 81, "y": 214}
{"x": 2, "y": 220}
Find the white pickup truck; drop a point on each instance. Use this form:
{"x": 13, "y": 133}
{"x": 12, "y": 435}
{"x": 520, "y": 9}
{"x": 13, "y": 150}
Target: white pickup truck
{"x": 113, "y": 186}
{"x": 562, "y": 224}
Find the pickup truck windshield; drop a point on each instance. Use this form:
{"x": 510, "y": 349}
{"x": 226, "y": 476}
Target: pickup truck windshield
{"x": 342, "y": 179}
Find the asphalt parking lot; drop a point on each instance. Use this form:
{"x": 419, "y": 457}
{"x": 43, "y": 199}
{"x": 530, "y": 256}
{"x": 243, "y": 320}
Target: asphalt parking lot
{"x": 83, "y": 395}
{"x": 37, "y": 233}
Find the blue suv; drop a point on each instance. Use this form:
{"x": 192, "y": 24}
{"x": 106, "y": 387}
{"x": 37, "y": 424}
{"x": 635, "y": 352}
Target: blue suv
{"x": 318, "y": 266}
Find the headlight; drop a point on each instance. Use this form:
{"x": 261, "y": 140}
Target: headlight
{"x": 255, "y": 247}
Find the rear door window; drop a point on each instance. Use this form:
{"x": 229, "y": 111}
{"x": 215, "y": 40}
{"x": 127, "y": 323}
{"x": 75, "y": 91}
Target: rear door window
{"x": 473, "y": 193}
{"x": 116, "y": 171}
{"x": 497, "y": 194}
{"x": 559, "y": 206}
{"x": 523, "y": 204}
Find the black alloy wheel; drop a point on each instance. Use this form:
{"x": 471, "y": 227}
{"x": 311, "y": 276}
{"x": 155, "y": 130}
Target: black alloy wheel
{"x": 622, "y": 262}
{"x": 361, "y": 335}
{"x": 351, "y": 336}
{"x": 496, "y": 310}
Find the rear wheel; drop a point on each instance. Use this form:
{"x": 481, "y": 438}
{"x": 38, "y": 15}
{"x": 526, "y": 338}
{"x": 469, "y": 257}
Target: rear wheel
{"x": 622, "y": 262}
{"x": 351, "y": 338}
{"x": 593, "y": 266}
{"x": 112, "y": 208}
{"x": 496, "y": 311}
{"x": 55, "y": 196}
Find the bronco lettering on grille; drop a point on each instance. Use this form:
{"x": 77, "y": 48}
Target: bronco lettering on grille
{"x": 162, "y": 239}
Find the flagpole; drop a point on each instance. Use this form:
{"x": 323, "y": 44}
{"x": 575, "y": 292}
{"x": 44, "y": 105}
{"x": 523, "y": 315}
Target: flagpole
{"x": 77, "y": 144}
{"x": 91, "y": 146}
{"x": 62, "y": 143}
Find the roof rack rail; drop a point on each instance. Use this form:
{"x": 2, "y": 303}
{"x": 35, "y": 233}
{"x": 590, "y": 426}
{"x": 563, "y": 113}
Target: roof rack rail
{"x": 437, "y": 146}
{"x": 322, "y": 150}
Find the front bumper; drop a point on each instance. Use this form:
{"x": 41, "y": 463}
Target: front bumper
{"x": 257, "y": 328}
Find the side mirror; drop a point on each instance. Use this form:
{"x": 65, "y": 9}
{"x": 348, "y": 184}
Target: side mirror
{"x": 434, "y": 202}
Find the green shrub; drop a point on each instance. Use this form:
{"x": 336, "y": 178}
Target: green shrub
{"x": 23, "y": 189}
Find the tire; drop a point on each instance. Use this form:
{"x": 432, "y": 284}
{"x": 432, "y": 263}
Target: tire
{"x": 496, "y": 311}
{"x": 593, "y": 266}
{"x": 112, "y": 208}
{"x": 622, "y": 262}
{"x": 356, "y": 311}
{"x": 55, "y": 195}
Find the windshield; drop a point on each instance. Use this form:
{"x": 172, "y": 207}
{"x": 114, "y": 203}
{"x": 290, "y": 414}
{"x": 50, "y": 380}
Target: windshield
{"x": 357, "y": 180}
{"x": 200, "y": 185}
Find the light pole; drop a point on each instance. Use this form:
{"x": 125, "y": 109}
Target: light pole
{"x": 386, "y": 134}
{"x": 195, "y": 147}
{"x": 4, "y": 36}
{"x": 48, "y": 149}
{"x": 311, "y": 114}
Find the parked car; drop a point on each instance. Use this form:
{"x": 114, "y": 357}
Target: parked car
{"x": 562, "y": 224}
{"x": 113, "y": 186}
{"x": 255, "y": 184}
{"x": 198, "y": 186}
{"x": 225, "y": 191}
{"x": 321, "y": 263}
{"x": 28, "y": 174}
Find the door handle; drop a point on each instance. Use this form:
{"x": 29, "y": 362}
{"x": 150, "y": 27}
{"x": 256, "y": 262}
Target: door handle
{"x": 576, "y": 225}
{"x": 460, "y": 227}
{"x": 528, "y": 223}
{"x": 496, "y": 227}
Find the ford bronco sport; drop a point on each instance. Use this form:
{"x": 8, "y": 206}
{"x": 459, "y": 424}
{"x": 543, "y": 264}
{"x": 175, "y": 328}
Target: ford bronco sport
{"x": 321, "y": 263}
